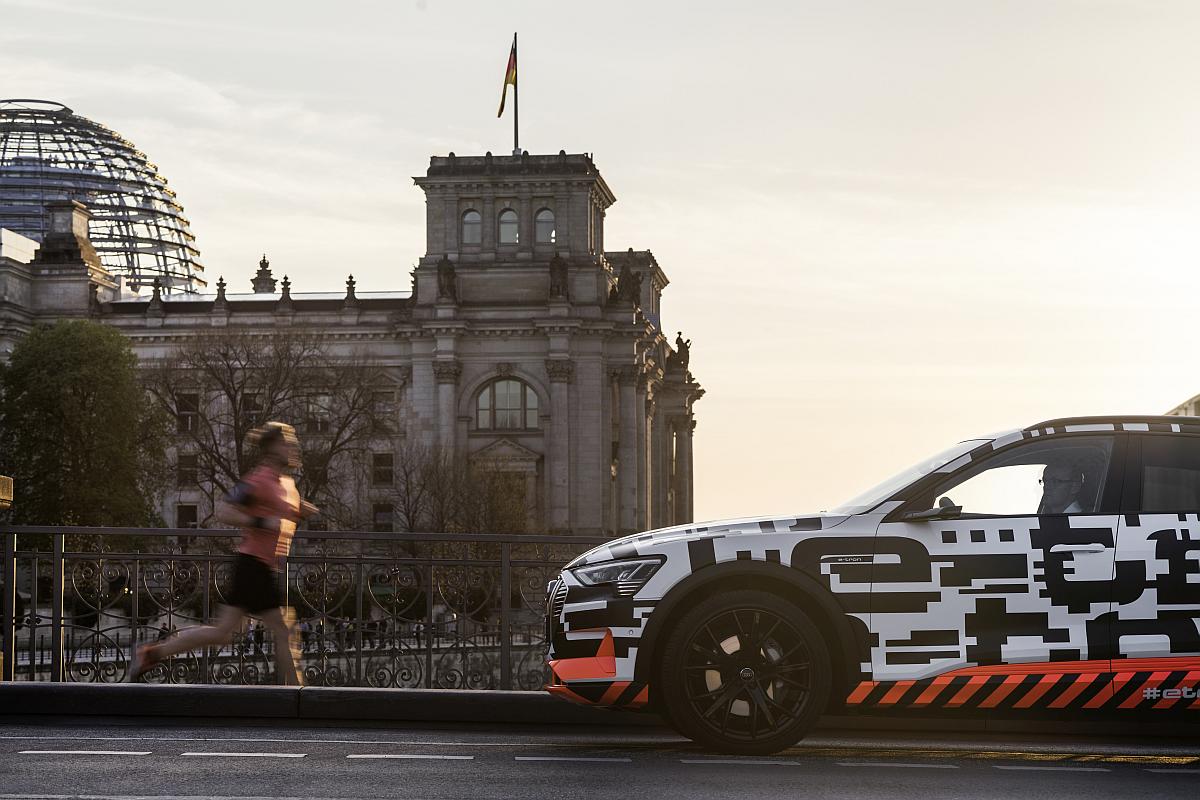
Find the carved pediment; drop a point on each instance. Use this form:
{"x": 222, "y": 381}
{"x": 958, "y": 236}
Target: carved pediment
{"x": 505, "y": 454}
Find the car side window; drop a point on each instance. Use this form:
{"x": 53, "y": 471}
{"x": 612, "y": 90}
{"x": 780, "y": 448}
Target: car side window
{"x": 1170, "y": 474}
{"x": 1057, "y": 476}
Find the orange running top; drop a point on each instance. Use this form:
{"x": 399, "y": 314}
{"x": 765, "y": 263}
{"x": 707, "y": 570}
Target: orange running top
{"x": 269, "y": 493}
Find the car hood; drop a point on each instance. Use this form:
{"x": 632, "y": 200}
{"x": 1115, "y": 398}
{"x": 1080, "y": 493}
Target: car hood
{"x": 747, "y": 526}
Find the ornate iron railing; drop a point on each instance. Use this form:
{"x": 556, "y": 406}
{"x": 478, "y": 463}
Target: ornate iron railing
{"x": 407, "y": 610}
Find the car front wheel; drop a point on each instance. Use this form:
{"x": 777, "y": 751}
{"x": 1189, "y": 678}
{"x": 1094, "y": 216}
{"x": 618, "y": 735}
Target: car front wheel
{"x": 744, "y": 672}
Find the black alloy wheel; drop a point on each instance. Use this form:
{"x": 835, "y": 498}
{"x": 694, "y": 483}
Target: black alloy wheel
{"x": 745, "y": 672}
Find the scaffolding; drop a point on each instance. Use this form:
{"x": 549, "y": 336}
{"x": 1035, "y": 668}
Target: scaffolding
{"x": 47, "y": 153}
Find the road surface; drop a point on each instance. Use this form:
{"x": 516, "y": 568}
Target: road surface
{"x": 124, "y": 760}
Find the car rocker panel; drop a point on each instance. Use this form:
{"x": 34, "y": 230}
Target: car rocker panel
{"x": 1079, "y": 609}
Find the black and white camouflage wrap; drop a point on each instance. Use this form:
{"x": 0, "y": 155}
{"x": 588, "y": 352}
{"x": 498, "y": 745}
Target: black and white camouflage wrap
{"x": 941, "y": 595}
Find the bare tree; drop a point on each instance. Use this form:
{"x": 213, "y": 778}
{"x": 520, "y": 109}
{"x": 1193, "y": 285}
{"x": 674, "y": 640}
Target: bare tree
{"x": 439, "y": 491}
{"x": 218, "y": 387}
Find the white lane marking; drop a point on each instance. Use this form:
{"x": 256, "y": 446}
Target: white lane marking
{"x": 890, "y": 764}
{"x": 281, "y": 741}
{"x": 1052, "y": 769}
{"x": 411, "y": 755}
{"x": 568, "y": 758}
{"x": 1168, "y": 771}
{"x": 154, "y": 797}
{"x": 745, "y": 762}
{"x": 249, "y": 755}
{"x": 85, "y": 752}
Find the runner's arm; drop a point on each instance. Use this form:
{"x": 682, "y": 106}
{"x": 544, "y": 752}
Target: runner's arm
{"x": 233, "y": 509}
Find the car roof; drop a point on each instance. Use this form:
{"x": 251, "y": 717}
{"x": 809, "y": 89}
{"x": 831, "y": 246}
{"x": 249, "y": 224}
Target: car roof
{"x": 1131, "y": 422}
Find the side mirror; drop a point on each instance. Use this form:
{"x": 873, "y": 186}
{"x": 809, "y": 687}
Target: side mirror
{"x": 941, "y": 512}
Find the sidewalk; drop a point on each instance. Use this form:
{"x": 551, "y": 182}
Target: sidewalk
{"x": 321, "y": 704}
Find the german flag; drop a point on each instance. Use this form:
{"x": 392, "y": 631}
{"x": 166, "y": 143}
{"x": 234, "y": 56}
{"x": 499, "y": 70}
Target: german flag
{"x": 510, "y": 76}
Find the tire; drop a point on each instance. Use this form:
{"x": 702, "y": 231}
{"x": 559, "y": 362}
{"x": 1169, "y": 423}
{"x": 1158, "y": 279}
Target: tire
{"x": 744, "y": 672}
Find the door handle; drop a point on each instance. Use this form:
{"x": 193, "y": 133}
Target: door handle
{"x": 1093, "y": 547}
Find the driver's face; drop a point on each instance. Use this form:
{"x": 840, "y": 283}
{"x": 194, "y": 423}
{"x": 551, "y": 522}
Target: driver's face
{"x": 1059, "y": 485}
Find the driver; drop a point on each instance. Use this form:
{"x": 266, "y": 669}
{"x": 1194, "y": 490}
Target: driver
{"x": 1061, "y": 484}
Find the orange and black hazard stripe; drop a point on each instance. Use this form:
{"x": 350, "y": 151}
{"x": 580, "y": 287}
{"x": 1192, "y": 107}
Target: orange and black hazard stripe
{"x": 609, "y": 694}
{"x": 1135, "y": 683}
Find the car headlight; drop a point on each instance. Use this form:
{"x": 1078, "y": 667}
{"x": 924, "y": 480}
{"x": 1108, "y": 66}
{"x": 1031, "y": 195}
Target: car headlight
{"x": 629, "y": 576}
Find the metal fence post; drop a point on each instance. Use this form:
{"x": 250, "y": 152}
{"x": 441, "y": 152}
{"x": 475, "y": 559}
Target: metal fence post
{"x": 205, "y": 613}
{"x": 428, "y": 625}
{"x": 358, "y": 613}
{"x": 56, "y": 609}
{"x": 8, "y": 659}
{"x": 135, "y": 606}
{"x": 505, "y": 615}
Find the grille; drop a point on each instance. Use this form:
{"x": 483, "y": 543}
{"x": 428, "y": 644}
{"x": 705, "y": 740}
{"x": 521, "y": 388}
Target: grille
{"x": 560, "y": 600}
{"x": 628, "y": 588}
{"x": 556, "y": 598}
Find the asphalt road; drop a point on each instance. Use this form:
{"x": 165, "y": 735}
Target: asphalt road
{"x": 123, "y": 760}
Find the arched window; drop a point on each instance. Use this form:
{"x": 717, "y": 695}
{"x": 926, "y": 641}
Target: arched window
{"x": 543, "y": 227}
{"x": 472, "y": 227}
{"x": 508, "y": 226}
{"x": 506, "y": 405}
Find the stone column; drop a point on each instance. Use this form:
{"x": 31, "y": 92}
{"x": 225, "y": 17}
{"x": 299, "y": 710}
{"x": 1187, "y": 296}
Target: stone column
{"x": 644, "y": 428}
{"x": 627, "y": 450}
{"x": 525, "y": 222}
{"x": 561, "y": 373}
{"x": 446, "y": 373}
{"x": 683, "y": 469}
{"x": 658, "y": 471}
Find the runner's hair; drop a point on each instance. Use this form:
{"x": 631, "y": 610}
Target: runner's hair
{"x": 266, "y": 436}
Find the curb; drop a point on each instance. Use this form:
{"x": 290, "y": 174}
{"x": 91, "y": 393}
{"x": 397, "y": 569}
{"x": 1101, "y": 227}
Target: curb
{"x": 330, "y": 705}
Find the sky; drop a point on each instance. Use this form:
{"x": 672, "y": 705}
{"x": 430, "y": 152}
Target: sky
{"x": 888, "y": 226}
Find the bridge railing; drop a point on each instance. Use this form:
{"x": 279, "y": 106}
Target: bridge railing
{"x": 403, "y": 610}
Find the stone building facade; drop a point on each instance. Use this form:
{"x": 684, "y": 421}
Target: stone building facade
{"x": 522, "y": 345}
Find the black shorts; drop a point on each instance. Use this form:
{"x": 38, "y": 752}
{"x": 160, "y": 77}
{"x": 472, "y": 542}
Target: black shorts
{"x": 255, "y": 586}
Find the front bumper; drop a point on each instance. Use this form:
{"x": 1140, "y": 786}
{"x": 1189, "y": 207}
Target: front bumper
{"x": 583, "y": 668}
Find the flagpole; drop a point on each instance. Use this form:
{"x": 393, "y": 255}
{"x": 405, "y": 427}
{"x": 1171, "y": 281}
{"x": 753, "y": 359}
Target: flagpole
{"x": 516, "y": 101}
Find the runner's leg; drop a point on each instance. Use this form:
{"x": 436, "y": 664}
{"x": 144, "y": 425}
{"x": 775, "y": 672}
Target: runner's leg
{"x": 220, "y": 632}
{"x": 282, "y": 630}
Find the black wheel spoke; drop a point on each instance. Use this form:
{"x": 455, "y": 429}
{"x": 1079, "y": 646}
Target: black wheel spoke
{"x": 729, "y": 694}
{"x": 787, "y": 712}
{"x": 797, "y": 684}
{"x": 713, "y": 693}
{"x": 762, "y": 640}
{"x": 782, "y": 668}
{"x": 771, "y": 671}
{"x": 741, "y": 633}
{"x": 760, "y": 702}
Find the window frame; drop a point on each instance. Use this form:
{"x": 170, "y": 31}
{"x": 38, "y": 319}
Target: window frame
{"x": 537, "y": 221}
{"x": 490, "y": 389}
{"x": 462, "y": 227}
{"x": 500, "y": 225}
{"x": 195, "y": 510}
{"x": 180, "y": 471}
{"x": 376, "y": 511}
{"x": 318, "y": 414}
{"x": 1131, "y": 501}
{"x": 377, "y": 470}
{"x": 186, "y": 421}
{"x": 922, "y": 493}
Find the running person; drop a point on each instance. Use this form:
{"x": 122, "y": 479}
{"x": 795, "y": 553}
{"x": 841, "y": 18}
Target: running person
{"x": 266, "y": 506}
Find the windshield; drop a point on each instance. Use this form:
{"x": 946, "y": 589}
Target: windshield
{"x": 877, "y": 494}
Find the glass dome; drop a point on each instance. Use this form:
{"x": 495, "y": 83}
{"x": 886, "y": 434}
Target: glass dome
{"x": 47, "y": 152}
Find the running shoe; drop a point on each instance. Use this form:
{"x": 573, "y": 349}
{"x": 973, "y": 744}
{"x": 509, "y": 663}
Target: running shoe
{"x": 142, "y": 661}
